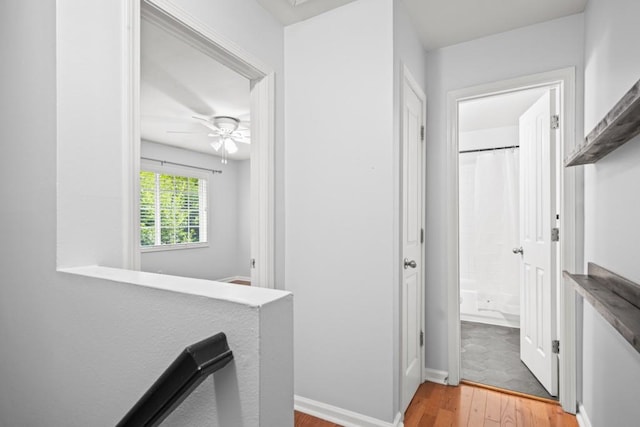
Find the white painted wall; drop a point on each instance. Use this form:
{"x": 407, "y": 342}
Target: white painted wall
{"x": 90, "y": 127}
{"x": 502, "y": 56}
{"x": 228, "y": 220}
{"x": 611, "y": 368}
{"x": 504, "y": 136}
{"x": 340, "y": 206}
{"x": 77, "y": 351}
{"x": 407, "y": 48}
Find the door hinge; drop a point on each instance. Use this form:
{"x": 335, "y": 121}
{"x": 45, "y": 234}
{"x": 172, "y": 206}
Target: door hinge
{"x": 555, "y": 121}
{"x": 422, "y": 235}
{"x": 555, "y": 234}
{"x": 555, "y": 347}
{"x": 253, "y": 263}
{"x": 421, "y": 338}
{"x": 422, "y": 133}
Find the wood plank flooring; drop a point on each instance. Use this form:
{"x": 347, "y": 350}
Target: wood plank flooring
{"x": 305, "y": 420}
{"x": 469, "y": 406}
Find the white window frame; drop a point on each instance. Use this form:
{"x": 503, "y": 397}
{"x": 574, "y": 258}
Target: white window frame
{"x": 205, "y": 207}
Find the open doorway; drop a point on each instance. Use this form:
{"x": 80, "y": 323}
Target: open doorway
{"x": 195, "y": 158}
{"x": 508, "y": 258}
{"x": 568, "y": 185}
{"x": 229, "y": 122}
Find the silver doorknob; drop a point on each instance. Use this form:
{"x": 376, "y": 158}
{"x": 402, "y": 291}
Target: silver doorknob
{"x": 518, "y": 250}
{"x": 409, "y": 263}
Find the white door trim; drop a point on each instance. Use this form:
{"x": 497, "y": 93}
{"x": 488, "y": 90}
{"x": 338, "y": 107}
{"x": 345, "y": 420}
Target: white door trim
{"x": 407, "y": 77}
{"x": 564, "y": 79}
{"x": 180, "y": 23}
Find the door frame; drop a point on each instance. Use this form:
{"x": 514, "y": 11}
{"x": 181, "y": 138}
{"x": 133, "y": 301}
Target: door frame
{"x": 564, "y": 80}
{"x": 180, "y": 23}
{"x": 407, "y": 77}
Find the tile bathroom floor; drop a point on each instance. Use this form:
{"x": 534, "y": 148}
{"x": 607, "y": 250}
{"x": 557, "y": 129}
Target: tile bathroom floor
{"x": 491, "y": 356}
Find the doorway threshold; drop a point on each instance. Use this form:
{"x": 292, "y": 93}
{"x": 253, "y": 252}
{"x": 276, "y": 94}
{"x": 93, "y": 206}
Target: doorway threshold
{"x": 491, "y": 356}
{"x": 552, "y": 401}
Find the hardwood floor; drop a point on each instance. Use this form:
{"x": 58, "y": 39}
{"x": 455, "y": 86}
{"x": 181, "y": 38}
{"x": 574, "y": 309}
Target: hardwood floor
{"x": 470, "y": 406}
{"x": 305, "y": 420}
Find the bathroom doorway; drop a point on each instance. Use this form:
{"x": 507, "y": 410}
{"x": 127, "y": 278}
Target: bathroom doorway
{"x": 507, "y": 257}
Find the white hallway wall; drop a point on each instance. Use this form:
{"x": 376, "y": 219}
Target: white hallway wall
{"x": 78, "y": 352}
{"x": 611, "y": 367}
{"x": 341, "y": 96}
{"x": 502, "y": 56}
{"x": 227, "y": 253}
{"x": 339, "y": 205}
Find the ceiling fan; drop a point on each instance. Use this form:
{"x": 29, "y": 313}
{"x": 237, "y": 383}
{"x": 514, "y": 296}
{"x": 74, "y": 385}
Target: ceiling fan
{"x": 226, "y": 133}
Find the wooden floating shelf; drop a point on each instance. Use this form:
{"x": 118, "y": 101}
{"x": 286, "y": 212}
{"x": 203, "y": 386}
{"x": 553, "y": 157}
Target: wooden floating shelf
{"x": 620, "y": 125}
{"x": 614, "y": 297}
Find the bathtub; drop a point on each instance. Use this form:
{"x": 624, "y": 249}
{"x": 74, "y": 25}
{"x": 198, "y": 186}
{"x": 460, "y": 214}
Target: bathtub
{"x": 469, "y": 308}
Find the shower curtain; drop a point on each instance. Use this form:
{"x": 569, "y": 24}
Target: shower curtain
{"x": 496, "y": 218}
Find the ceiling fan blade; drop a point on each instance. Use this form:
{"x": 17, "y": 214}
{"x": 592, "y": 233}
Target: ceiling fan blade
{"x": 205, "y": 122}
{"x": 184, "y": 131}
{"x": 241, "y": 140}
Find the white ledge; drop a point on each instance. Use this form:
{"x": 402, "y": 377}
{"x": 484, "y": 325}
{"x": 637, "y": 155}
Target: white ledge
{"x": 245, "y": 295}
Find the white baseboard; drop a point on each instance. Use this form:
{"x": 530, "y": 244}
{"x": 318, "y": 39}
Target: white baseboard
{"x": 582, "y": 417}
{"x": 436, "y": 376}
{"x": 341, "y": 416}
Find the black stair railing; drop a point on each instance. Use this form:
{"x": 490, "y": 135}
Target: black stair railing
{"x": 187, "y": 372}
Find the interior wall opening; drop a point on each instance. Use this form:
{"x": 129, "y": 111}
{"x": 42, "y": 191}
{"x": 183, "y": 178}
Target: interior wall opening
{"x": 194, "y": 206}
{"x": 506, "y": 191}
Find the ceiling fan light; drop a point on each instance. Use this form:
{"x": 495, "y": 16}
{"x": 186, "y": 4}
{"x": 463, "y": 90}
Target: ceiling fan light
{"x": 230, "y": 145}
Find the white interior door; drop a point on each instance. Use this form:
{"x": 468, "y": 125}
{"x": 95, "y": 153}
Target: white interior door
{"x": 412, "y": 175}
{"x": 537, "y": 210}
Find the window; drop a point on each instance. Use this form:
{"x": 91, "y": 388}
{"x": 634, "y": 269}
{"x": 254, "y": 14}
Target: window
{"x": 173, "y": 210}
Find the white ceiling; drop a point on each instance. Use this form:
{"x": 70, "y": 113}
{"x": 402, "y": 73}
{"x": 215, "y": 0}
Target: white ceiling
{"x": 446, "y": 22}
{"x": 443, "y": 23}
{"x": 496, "y": 111}
{"x": 177, "y": 82}
{"x": 291, "y": 11}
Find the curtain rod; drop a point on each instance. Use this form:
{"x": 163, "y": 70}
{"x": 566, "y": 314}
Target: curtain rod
{"x": 163, "y": 162}
{"x": 489, "y": 149}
